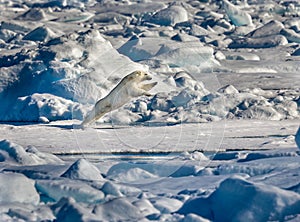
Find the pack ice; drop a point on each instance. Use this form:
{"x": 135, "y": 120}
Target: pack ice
{"x": 217, "y": 140}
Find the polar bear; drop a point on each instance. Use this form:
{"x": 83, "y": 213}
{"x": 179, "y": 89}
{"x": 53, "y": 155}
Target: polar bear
{"x": 129, "y": 87}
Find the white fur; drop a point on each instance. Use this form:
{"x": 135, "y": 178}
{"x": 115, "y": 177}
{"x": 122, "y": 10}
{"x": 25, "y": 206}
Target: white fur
{"x": 128, "y": 88}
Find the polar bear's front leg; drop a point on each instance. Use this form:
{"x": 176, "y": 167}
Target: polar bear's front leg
{"x": 149, "y": 86}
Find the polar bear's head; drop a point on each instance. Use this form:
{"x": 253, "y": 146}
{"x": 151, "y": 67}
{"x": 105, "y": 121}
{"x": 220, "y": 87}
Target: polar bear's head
{"x": 138, "y": 76}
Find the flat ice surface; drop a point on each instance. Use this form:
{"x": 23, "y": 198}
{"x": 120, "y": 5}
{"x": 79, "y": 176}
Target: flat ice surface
{"x": 61, "y": 137}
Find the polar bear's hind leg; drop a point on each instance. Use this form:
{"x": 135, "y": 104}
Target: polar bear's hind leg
{"x": 95, "y": 114}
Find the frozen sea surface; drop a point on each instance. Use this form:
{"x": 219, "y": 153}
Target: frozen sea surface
{"x": 245, "y": 164}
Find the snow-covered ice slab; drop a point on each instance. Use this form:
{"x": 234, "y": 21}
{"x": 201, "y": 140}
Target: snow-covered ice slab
{"x": 246, "y": 197}
{"x": 17, "y": 188}
{"x": 237, "y": 16}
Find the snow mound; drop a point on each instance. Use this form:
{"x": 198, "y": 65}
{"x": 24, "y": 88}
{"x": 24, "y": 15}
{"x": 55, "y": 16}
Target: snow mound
{"x": 119, "y": 209}
{"x": 137, "y": 170}
{"x": 237, "y": 16}
{"x": 261, "y": 42}
{"x": 201, "y": 57}
{"x": 67, "y": 209}
{"x": 33, "y": 14}
{"x": 43, "y": 108}
{"x": 228, "y": 89}
{"x": 41, "y": 34}
{"x": 15, "y": 153}
{"x": 169, "y": 16}
{"x": 110, "y": 188}
{"x": 252, "y": 201}
{"x": 83, "y": 170}
{"x": 291, "y": 35}
{"x": 261, "y": 112}
{"x": 166, "y": 205}
{"x": 59, "y": 188}
{"x": 132, "y": 175}
{"x": 271, "y": 28}
{"x": 146, "y": 207}
{"x": 196, "y": 155}
{"x": 16, "y": 188}
{"x": 118, "y": 190}
{"x": 170, "y": 53}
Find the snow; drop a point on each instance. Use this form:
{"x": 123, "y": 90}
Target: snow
{"x": 188, "y": 185}
{"x": 68, "y": 210}
{"x": 17, "y": 188}
{"x": 271, "y": 28}
{"x": 169, "y": 16}
{"x": 194, "y": 218}
{"x": 291, "y": 35}
{"x": 62, "y": 80}
{"x": 261, "y": 42}
{"x": 131, "y": 175}
{"x": 237, "y": 16}
{"x": 42, "y": 34}
{"x": 274, "y": 203}
{"x": 43, "y": 108}
{"x": 16, "y": 154}
{"x": 117, "y": 210}
{"x": 217, "y": 140}
{"x": 84, "y": 170}
{"x": 166, "y": 205}
{"x": 58, "y": 188}
{"x": 145, "y": 206}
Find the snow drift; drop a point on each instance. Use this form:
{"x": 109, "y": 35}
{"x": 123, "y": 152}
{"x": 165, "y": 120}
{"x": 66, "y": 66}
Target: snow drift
{"x": 252, "y": 201}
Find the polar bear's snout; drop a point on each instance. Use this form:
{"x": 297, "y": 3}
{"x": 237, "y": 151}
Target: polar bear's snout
{"x": 147, "y": 76}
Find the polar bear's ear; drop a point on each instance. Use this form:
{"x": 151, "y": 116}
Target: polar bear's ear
{"x": 138, "y": 73}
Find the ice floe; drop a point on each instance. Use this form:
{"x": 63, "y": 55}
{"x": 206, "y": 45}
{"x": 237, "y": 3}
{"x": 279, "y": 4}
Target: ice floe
{"x": 16, "y": 154}
{"x": 277, "y": 204}
{"x": 17, "y": 188}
